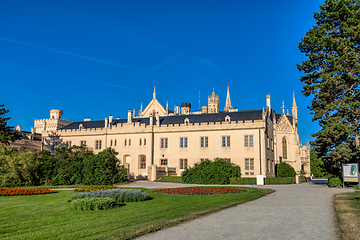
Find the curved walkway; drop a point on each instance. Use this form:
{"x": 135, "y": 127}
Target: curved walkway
{"x": 292, "y": 212}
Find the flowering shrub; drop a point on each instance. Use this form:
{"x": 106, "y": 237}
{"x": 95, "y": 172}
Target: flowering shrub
{"x": 94, "y": 188}
{"x": 120, "y": 195}
{"x": 199, "y": 191}
{"x": 24, "y": 191}
{"x": 93, "y": 203}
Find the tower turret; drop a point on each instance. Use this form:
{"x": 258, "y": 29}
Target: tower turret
{"x": 213, "y": 103}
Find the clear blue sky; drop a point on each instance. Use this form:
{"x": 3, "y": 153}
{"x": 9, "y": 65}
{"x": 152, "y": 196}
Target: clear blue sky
{"x": 100, "y": 58}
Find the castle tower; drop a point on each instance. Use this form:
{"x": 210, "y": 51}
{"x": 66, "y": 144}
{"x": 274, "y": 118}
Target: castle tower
{"x": 213, "y": 103}
{"x": 228, "y": 106}
{"x": 51, "y": 124}
{"x": 56, "y": 114}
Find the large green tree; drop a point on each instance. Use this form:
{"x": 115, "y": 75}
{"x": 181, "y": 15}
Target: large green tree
{"x": 331, "y": 77}
{"x": 6, "y": 133}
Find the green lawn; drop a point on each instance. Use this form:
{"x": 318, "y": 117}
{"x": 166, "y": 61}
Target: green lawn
{"x": 347, "y": 212}
{"x": 50, "y": 216}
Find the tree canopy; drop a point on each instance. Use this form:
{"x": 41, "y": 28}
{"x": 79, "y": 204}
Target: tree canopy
{"x": 332, "y": 73}
{"x": 7, "y": 135}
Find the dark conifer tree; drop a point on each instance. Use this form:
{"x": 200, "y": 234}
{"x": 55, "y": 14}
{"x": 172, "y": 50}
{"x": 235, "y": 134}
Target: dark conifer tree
{"x": 331, "y": 77}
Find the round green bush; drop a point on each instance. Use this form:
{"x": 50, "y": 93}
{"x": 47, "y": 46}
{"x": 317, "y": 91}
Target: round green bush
{"x": 218, "y": 171}
{"x": 335, "y": 182}
{"x": 285, "y": 170}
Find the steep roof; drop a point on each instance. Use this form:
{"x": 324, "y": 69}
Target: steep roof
{"x": 177, "y": 119}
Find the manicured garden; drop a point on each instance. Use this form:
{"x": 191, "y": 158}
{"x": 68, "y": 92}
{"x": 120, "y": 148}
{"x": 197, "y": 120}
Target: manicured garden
{"x": 50, "y": 215}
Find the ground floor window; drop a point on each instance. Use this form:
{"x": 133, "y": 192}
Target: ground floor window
{"x": 183, "y": 163}
{"x": 98, "y": 144}
{"x": 163, "y": 162}
{"x": 249, "y": 166}
{"x": 142, "y": 162}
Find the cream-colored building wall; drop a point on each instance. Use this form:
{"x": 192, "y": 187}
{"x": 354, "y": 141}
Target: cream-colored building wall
{"x": 266, "y": 151}
{"x": 129, "y": 154}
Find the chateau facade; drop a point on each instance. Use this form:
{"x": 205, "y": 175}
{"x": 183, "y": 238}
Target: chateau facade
{"x": 159, "y": 141}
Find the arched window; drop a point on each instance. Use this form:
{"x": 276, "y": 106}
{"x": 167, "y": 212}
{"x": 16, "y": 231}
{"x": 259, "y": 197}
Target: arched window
{"x": 142, "y": 161}
{"x": 284, "y": 147}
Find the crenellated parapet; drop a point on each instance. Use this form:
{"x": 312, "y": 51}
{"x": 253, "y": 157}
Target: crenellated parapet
{"x": 53, "y": 123}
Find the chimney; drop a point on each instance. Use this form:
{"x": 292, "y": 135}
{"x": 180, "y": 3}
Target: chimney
{"x": 106, "y": 122}
{"x": 151, "y": 121}
{"x": 18, "y": 128}
{"x": 129, "y": 116}
{"x": 110, "y": 120}
{"x": 157, "y": 119}
{"x": 268, "y": 97}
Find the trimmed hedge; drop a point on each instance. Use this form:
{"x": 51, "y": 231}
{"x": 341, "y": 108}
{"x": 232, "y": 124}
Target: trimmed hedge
{"x": 174, "y": 179}
{"x": 93, "y": 203}
{"x": 335, "y": 182}
{"x": 267, "y": 181}
{"x": 218, "y": 171}
{"x": 242, "y": 181}
{"x": 284, "y": 169}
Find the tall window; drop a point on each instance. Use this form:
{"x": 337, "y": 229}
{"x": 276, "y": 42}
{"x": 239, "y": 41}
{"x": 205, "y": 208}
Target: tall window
{"x": 111, "y": 142}
{"x": 98, "y": 144}
{"x": 249, "y": 141}
{"x": 183, "y": 142}
{"x": 115, "y": 142}
{"x": 204, "y": 142}
{"x": 83, "y": 143}
{"x": 163, "y": 142}
{"x": 140, "y": 142}
{"x": 144, "y": 141}
{"x": 125, "y": 142}
{"x": 142, "y": 162}
{"x": 284, "y": 147}
{"x": 225, "y": 141}
{"x": 183, "y": 163}
{"x": 249, "y": 164}
{"x": 68, "y": 144}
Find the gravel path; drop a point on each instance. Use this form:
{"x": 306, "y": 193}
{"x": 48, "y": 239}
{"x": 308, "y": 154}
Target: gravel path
{"x": 292, "y": 212}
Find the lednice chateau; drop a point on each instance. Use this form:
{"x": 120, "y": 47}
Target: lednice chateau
{"x": 160, "y": 142}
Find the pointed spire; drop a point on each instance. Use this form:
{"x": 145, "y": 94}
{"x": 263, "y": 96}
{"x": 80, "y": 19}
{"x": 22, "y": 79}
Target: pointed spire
{"x": 228, "y": 106}
{"x": 294, "y": 102}
{"x": 283, "y": 107}
{"x": 154, "y": 94}
{"x": 294, "y": 107}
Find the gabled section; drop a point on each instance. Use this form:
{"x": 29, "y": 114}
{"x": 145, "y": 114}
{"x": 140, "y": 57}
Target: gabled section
{"x": 284, "y": 125}
{"x": 154, "y": 107}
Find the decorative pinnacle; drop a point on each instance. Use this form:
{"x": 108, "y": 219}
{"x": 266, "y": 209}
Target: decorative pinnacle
{"x": 283, "y": 107}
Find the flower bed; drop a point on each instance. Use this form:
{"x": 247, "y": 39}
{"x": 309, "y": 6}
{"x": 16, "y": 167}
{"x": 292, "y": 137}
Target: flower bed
{"x": 199, "y": 191}
{"x": 94, "y": 188}
{"x": 24, "y": 191}
{"x": 120, "y": 195}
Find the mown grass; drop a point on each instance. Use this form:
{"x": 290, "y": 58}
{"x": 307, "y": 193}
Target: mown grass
{"x": 50, "y": 216}
{"x": 347, "y": 212}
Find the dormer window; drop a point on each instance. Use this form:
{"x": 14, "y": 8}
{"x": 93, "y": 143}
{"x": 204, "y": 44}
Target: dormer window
{"x": 187, "y": 121}
{"x": 227, "y": 119}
